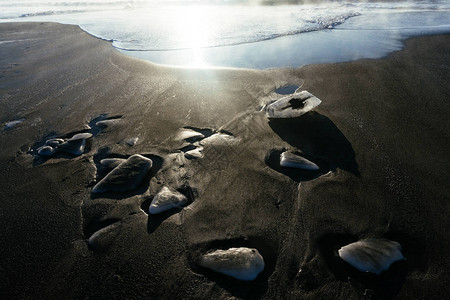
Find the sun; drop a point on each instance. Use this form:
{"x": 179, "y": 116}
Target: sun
{"x": 190, "y": 26}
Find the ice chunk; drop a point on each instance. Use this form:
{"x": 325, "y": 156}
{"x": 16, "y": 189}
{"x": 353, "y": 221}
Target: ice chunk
{"x": 11, "y": 124}
{"x": 131, "y": 141}
{"x": 80, "y": 136}
{"x": 166, "y": 199}
{"x": 76, "y": 144}
{"x": 372, "y": 255}
{"x": 291, "y": 160}
{"x": 240, "y": 263}
{"x": 126, "y": 176}
{"x": 189, "y": 135}
{"x": 107, "y": 123}
{"x": 111, "y": 163}
{"x": 54, "y": 142}
{"x": 195, "y": 153}
{"x": 46, "y": 151}
{"x": 292, "y": 106}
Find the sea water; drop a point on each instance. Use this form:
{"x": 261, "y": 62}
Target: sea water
{"x": 220, "y": 34}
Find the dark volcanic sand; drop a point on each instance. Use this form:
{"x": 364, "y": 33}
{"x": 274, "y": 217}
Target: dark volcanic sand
{"x": 381, "y": 137}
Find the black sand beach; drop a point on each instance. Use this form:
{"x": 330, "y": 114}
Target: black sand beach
{"x": 381, "y": 138}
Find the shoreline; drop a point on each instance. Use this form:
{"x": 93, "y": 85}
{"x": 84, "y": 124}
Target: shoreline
{"x": 329, "y": 47}
{"x": 341, "y": 44}
{"x": 381, "y": 135}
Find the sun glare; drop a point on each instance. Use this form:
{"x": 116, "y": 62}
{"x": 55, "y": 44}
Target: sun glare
{"x": 191, "y": 29}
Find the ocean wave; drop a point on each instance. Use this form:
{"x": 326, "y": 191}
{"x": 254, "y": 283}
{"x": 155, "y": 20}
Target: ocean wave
{"x": 42, "y": 9}
{"x": 329, "y": 23}
{"x": 51, "y": 13}
{"x": 170, "y": 28}
{"x": 69, "y": 3}
{"x": 319, "y": 25}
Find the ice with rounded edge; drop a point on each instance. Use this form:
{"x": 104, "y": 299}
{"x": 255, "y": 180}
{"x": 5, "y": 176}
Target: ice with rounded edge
{"x": 292, "y": 106}
{"x": 76, "y": 144}
{"x": 125, "y": 177}
{"x": 102, "y": 238}
{"x": 372, "y": 255}
{"x": 167, "y": 199}
{"x": 189, "y": 135}
{"x": 111, "y": 163}
{"x": 11, "y": 124}
{"x": 107, "y": 123}
{"x": 46, "y": 150}
{"x": 195, "y": 153}
{"x": 80, "y": 136}
{"x": 291, "y": 160}
{"x": 54, "y": 142}
{"x": 240, "y": 263}
{"x": 131, "y": 141}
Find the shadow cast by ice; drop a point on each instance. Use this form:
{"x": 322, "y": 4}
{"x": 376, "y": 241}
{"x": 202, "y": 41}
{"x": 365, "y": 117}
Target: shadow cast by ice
{"x": 382, "y": 286}
{"x": 273, "y": 161}
{"x": 157, "y": 163}
{"x": 316, "y": 135}
{"x": 41, "y": 159}
{"x": 69, "y": 145}
{"x": 154, "y": 220}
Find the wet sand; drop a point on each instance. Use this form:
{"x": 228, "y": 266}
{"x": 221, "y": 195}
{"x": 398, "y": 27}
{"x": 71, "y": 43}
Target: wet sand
{"x": 381, "y": 138}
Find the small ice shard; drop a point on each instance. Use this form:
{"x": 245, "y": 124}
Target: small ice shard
{"x": 11, "y": 124}
{"x": 86, "y": 127}
{"x": 102, "y": 238}
{"x": 291, "y": 160}
{"x": 195, "y": 153}
{"x": 111, "y": 163}
{"x": 76, "y": 144}
{"x": 107, "y": 123}
{"x": 166, "y": 199}
{"x": 131, "y": 141}
{"x": 79, "y": 136}
{"x": 240, "y": 263}
{"x": 126, "y": 176}
{"x": 46, "y": 151}
{"x": 292, "y": 106}
{"x": 54, "y": 142}
{"x": 372, "y": 255}
{"x": 189, "y": 135}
